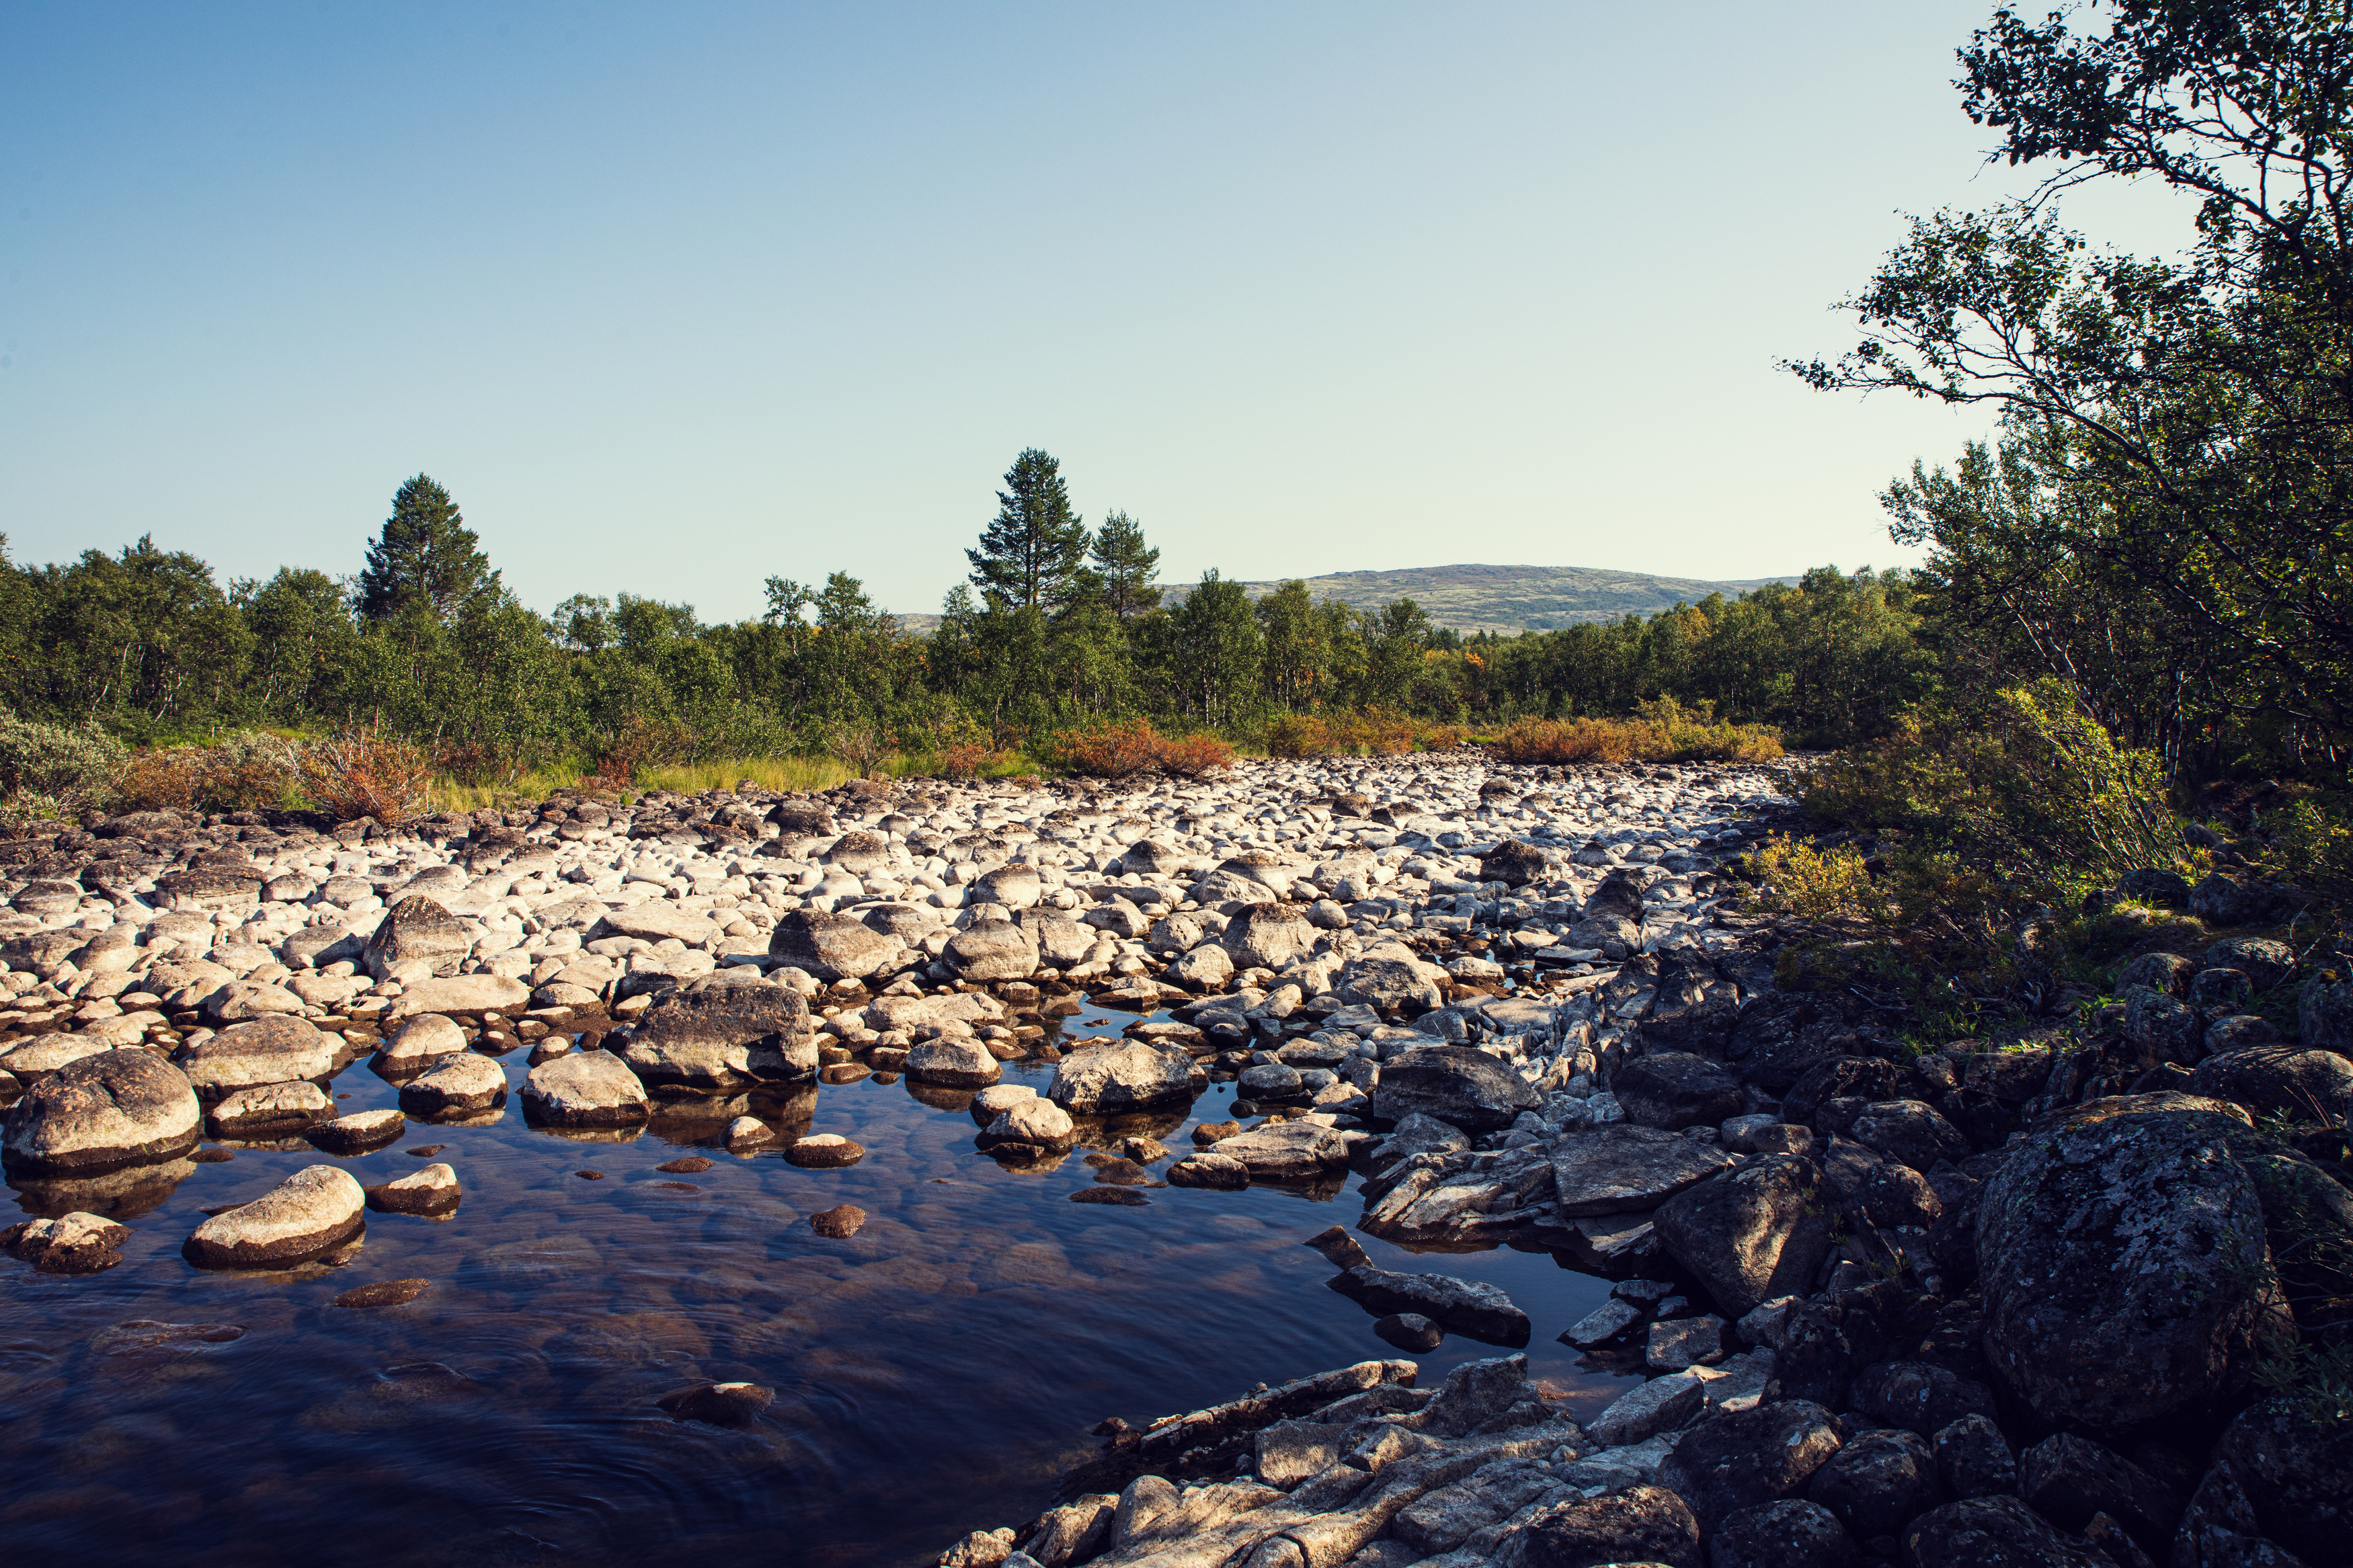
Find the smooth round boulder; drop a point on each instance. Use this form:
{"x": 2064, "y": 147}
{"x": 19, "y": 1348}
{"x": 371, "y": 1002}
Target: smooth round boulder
{"x": 455, "y": 1086}
{"x": 583, "y": 1089}
{"x": 432, "y": 1192}
{"x": 1119, "y": 1076}
{"x": 423, "y": 1040}
{"x": 358, "y": 1133}
{"x": 995, "y": 1101}
{"x": 101, "y": 1114}
{"x": 311, "y": 1211}
{"x": 1268, "y": 936}
{"x": 1012, "y": 887}
{"x": 746, "y": 1133}
{"x": 833, "y": 946}
{"x": 1271, "y": 1083}
{"x": 825, "y": 1151}
{"x": 264, "y": 1051}
{"x": 271, "y": 1110}
{"x": 991, "y": 950}
{"x": 951, "y": 1063}
{"x": 37, "y": 1058}
{"x": 76, "y": 1243}
{"x": 1033, "y": 1120}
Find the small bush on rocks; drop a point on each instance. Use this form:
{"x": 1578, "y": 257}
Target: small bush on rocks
{"x": 57, "y": 769}
{"x": 367, "y": 774}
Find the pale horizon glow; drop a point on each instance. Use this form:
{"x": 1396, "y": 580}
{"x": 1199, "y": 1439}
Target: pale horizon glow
{"x": 675, "y": 299}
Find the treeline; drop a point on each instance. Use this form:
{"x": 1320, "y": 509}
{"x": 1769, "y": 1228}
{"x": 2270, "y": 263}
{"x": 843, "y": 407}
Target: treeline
{"x": 1059, "y": 625}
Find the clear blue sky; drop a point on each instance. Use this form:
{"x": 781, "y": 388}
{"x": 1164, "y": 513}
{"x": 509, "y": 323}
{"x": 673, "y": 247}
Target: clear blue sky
{"x": 676, "y": 297}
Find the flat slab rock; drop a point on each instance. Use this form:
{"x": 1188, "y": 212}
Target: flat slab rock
{"x": 1624, "y": 1169}
{"x": 1465, "y": 1307}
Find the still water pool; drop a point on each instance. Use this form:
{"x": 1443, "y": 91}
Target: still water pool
{"x": 934, "y": 1373}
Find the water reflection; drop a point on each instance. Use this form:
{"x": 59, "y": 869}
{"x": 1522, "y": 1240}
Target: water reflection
{"x": 934, "y": 1371}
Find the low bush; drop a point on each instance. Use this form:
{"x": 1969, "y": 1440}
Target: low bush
{"x": 1113, "y": 749}
{"x": 1195, "y": 755}
{"x": 70, "y": 768}
{"x": 1661, "y": 731}
{"x": 365, "y": 775}
{"x": 249, "y": 771}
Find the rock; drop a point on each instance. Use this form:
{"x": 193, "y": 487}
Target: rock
{"x": 1790, "y": 1533}
{"x": 266, "y": 1050}
{"x": 384, "y": 1293}
{"x": 1678, "y": 1343}
{"x": 2284, "y": 1079}
{"x": 269, "y": 1111}
{"x": 2067, "y": 1480}
{"x": 417, "y": 938}
{"x": 35, "y": 1059}
{"x": 2166, "y": 971}
{"x": 1602, "y": 1324}
{"x": 237, "y": 1002}
{"x": 1910, "y": 1132}
{"x": 1270, "y": 1083}
{"x": 723, "y": 1036}
{"x": 1268, "y": 936}
{"x": 2324, "y": 1014}
{"x": 314, "y": 1211}
{"x": 1465, "y": 1307}
{"x": 1918, "y": 1396}
{"x": 1040, "y": 1123}
{"x": 987, "y": 1548}
{"x": 1216, "y": 1172}
{"x": 1662, "y": 1404}
{"x": 1749, "y": 1235}
{"x": 358, "y": 1133}
{"x": 584, "y": 1089}
{"x": 1749, "y": 1457}
{"x": 431, "y": 1191}
{"x": 1993, "y": 1532}
{"x": 1879, "y": 1482}
{"x": 1842, "y": 1077}
{"x": 1973, "y": 1459}
{"x": 1410, "y": 1331}
{"x": 2125, "y": 1268}
{"x": 1296, "y": 1151}
{"x": 104, "y": 1112}
{"x": 825, "y": 1151}
{"x": 2161, "y": 1025}
{"x": 991, "y": 950}
{"x": 1642, "y": 1525}
{"x": 2266, "y": 964}
{"x": 1672, "y": 1089}
{"x": 748, "y": 1132}
{"x": 1390, "y": 984}
{"x": 1621, "y": 1169}
{"x": 838, "y": 1223}
{"x": 455, "y": 1086}
{"x": 1205, "y": 968}
{"x": 2221, "y": 901}
{"x": 719, "y": 1403}
{"x": 1458, "y": 1085}
{"x": 952, "y": 1063}
{"x": 2293, "y": 1461}
{"x": 462, "y": 994}
{"x": 1119, "y": 1076}
{"x": 421, "y": 1041}
{"x": 73, "y": 1244}
{"x": 657, "y": 920}
{"x": 1515, "y": 863}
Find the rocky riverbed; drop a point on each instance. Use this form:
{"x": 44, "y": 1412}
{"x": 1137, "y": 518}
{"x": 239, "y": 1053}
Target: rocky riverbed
{"x": 1815, "y": 1295}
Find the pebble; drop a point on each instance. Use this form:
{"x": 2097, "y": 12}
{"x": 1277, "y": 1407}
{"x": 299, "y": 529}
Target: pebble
{"x": 839, "y": 1222}
{"x": 825, "y": 1151}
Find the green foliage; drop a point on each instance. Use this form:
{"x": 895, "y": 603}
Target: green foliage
{"x": 1030, "y": 557}
{"x": 426, "y": 562}
{"x": 64, "y": 768}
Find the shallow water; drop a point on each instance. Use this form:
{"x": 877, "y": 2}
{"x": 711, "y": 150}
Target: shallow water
{"x": 934, "y": 1373}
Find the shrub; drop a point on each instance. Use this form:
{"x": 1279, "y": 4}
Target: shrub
{"x": 1800, "y": 879}
{"x": 365, "y": 775}
{"x": 1193, "y": 756}
{"x": 970, "y": 760}
{"x": 1299, "y": 735}
{"x": 640, "y": 743}
{"x": 73, "y": 767}
{"x": 1659, "y": 732}
{"x": 249, "y": 771}
{"x": 863, "y": 748}
{"x": 1113, "y": 749}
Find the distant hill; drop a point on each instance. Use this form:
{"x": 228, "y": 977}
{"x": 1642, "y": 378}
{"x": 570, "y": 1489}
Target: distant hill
{"x": 1494, "y": 598}
{"x": 1518, "y": 598}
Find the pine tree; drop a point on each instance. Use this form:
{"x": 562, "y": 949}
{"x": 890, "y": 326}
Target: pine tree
{"x": 1130, "y": 570}
{"x": 1029, "y": 556}
{"x": 425, "y": 556}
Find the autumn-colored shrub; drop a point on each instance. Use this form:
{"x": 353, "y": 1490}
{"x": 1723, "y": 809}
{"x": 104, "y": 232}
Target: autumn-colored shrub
{"x": 1299, "y": 735}
{"x": 365, "y": 775}
{"x": 1661, "y": 731}
{"x": 1113, "y": 749}
{"x": 250, "y": 771}
{"x": 970, "y": 760}
{"x": 1193, "y": 756}
{"x": 1443, "y": 737}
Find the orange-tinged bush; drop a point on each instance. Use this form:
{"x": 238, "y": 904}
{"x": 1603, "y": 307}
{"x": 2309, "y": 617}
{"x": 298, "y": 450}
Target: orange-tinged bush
{"x": 1677, "y": 738}
{"x": 1195, "y": 755}
{"x": 1113, "y": 749}
{"x": 367, "y": 774}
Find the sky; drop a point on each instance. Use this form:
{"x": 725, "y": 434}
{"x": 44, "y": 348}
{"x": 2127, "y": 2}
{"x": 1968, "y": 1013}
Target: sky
{"x": 676, "y": 298}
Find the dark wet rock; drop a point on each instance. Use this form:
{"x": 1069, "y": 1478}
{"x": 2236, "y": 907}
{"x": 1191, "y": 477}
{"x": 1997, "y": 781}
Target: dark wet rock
{"x": 1671, "y": 1089}
{"x": 263, "y": 1050}
{"x": 1879, "y": 1482}
{"x": 1749, "y": 1458}
{"x": 1751, "y": 1234}
{"x": 1910, "y": 1132}
{"x": 312, "y": 1212}
{"x": 1118, "y": 1077}
{"x": 1642, "y": 1524}
{"x": 358, "y": 1133}
{"x": 1789, "y": 1534}
{"x": 1974, "y": 1459}
{"x": 691, "y": 1164}
{"x": 72, "y": 1243}
{"x": 2302, "y": 1084}
{"x": 719, "y": 1403}
{"x": 148, "y": 1339}
{"x": 416, "y": 938}
{"x": 431, "y": 1191}
{"x": 2068, "y": 1478}
{"x": 1458, "y": 1085}
{"x": 1621, "y": 1169}
{"x": 1466, "y": 1307}
{"x": 584, "y": 1089}
{"x": 950, "y": 1062}
{"x": 834, "y": 946}
{"x": 384, "y": 1293}
{"x": 1124, "y": 1197}
{"x": 1410, "y": 1331}
{"x": 825, "y": 1151}
{"x": 455, "y": 1086}
{"x": 1994, "y": 1532}
{"x": 104, "y": 1112}
{"x": 1113, "y": 1171}
{"x": 841, "y": 1222}
{"x": 1514, "y": 862}
{"x": 723, "y": 1036}
{"x": 2122, "y": 1258}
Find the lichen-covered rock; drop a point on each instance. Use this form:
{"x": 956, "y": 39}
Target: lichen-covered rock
{"x": 993, "y": 949}
{"x": 709, "y": 1035}
{"x": 1623, "y": 1169}
{"x": 1994, "y": 1532}
{"x": 2122, "y": 1258}
{"x": 417, "y": 937}
{"x": 584, "y": 1089}
{"x": 1751, "y": 1234}
{"x": 2302, "y": 1084}
{"x": 101, "y": 1114}
{"x": 834, "y": 946}
{"x": 1879, "y": 1482}
{"x": 1642, "y": 1524}
{"x": 1790, "y": 1533}
{"x": 1749, "y": 1457}
{"x": 1673, "y": 1090}
{"x": 265, "y": 1050}
{"x": 72, "y": 1243}
{"x": 952, "y": 1062}
{"x": 1268, "y": 936}
{"x": 2293, "y": 1461}
{"x": 1108, "y": 1079}
{"x": 1468, "y": 1307}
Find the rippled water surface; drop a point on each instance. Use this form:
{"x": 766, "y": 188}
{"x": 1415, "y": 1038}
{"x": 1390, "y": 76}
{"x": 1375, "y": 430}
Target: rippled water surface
{"x": 934, "y": 1373}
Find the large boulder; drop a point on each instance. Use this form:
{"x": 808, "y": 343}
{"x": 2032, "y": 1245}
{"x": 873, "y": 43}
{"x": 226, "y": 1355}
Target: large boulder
{"x": 1994, "y": 1532}
{"x": 2291, "y": 1460}
{"x": 1751, "y": 1234}
{"x": 2264, "y": 961}
{"x": 2324, "y": 1013}
{"x": 1642, "y": 1524}
{"x": 1672, "y": 1089}
{"x": 1910, "y": 1132}
{"x": 1623, "y": 1169}
{"x": 834, "y": 946}
{"x": 1515, "y": 863}
{"x": 417, "y": 938}
{"x": 264, "y": 1051}
{"x": 1790, "y": 1533}
{"x": 1268, "y": 936}
{"x": 2126, "y": 1274}
{"x": 1693, "y": 1007}
{"x": 2302, "y": 1084}
{"x": 1013, "y": 887}
{"x": 993, "y": 949}
{"x": 1458, "y": 1085}
{"x": 101, "y": 1113}
{"x": 1392, "y": 984}
{"x": 584, "y": 1089}
{"x": 1119, "y": 1076}
{"x": 709, "y": 1035}
{"x": 311, "y": 1211}
{"x": 1749, "y": 1457}
{"x": 1879, "y": 1482}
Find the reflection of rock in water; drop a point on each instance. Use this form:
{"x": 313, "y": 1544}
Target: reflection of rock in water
{"x": 786, "y": 1110}
{"x": 1110, "y": 1131}
{"x": 489, "y": 1118}
{"x": 118, "y": 1194}
{"x": 940, "y": 1097}
{"x": 533, "y": 1263}
{"x": 629, "y": 1134}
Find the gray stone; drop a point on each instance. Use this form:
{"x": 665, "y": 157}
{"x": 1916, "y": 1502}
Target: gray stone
{"x": 72, "y": 1243}
{"x": 834, "y": 946}
{"x": 1879, "y": 1482}
{"x": 1662, "y": 1404}
{"x": 1458, "y": 1085}
{"x": 715, "y": 1036}
{"x": 584, "y": 1089}
{"x": 432, "y": 1190}
{"x": 1677, "y": 1344}
{"x": 104, "y": 1112}
{"x": 991, "y": 950}
{"x": 1994, "y": 1532}
{"x": 1672, "y": 1089}
{"x": 358, "y": 1133}
{"x": 462, "y": 994}
{"x": 1642, "y": 1525}
{"x": 657, "y": 920}
{"x": 311, "y": 1211}
{"x": 952, "y": 1063}
{"x": 269, "y": 1111}
{"x": 1123, "y": 1076}
{"x": 1268, "y": 936}
{"x": 455, "y": 1086}
{"x": 1751, "y": 1234}
{"x": 1910, "y": 1132}
{"x": 1749, "y": 1457}
{"x": 1470, "y": 1308}
{"x": 1974, "y": 1459}
{"x": 2304, "y": 1084}
{"x": 1621, "y": 1169}
{"x": 417, "y": 937}
{"x": 1789, "y": 1534}
{"x": 265, "y": 1050}
{"x": 421, "y": 1041}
